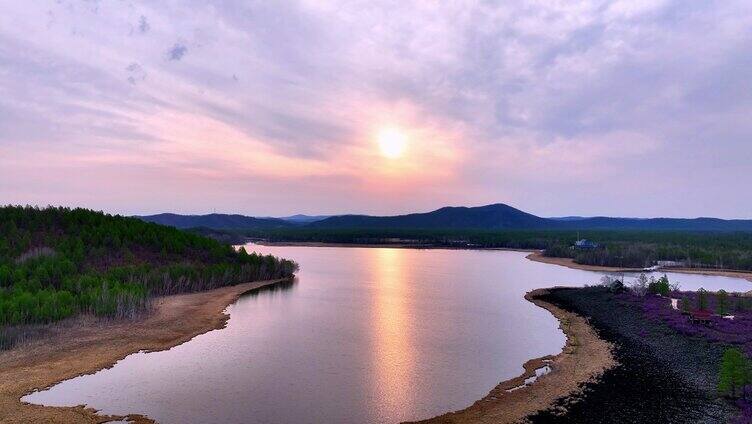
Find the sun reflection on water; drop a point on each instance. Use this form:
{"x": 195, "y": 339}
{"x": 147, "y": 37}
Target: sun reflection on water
{"x": 394, "y": 350}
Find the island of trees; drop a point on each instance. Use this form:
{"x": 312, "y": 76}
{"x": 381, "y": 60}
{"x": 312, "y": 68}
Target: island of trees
{"x": 59, "y": 262}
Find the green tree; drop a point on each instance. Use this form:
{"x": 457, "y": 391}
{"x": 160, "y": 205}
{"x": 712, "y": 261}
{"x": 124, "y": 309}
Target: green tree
{"x": 734, "y": 374}
{"x": 702, "y": 299}
{"x": 59, "y": 262}
{"x": 741, "y": 304}
{"x": 660, "y": 286}
{"x": 684, "y": 304}
{"x": 721, "y": 302}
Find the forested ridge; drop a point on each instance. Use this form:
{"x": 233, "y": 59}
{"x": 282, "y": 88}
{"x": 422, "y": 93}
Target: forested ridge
{"x": 702, "y": 250}
{"x": 618, "y": 248}
{"x": 496, "y": 216}
{"x": 622, "y": 242}
{"x": 58, "y": 262}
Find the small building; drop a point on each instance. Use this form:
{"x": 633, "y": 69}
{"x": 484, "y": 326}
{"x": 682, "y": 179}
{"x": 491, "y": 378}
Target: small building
{"x": 585, "y": 244}
{"x": 669, "y": 264}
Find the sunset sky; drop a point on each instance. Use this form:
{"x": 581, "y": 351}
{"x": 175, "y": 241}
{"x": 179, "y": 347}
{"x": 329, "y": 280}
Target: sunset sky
{"x": 627, "y": 108}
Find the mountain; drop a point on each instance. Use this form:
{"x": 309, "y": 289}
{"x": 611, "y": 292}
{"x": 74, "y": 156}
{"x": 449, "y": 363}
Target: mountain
{"x": 490, "y": 217}
{"x": 216, "y": 221}
{"x": 500, "y": 216}
{"x": 660, "y": 224}
{"x": 497, "y": 216}
{"x": 304, "y": 219}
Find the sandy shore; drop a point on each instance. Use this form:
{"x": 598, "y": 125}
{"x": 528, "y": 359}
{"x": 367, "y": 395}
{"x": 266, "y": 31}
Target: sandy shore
{"x": 584, "y": 358}
{"x": 537, "y": 256}
{"x": 84, "y": 346}
{"x": 662, "y": 375}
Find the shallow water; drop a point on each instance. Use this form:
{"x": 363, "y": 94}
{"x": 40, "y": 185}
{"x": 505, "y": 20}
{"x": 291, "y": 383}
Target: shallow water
{"x": 365, "y": 335}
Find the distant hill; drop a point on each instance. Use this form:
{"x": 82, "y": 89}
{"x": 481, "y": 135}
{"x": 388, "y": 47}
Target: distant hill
{"x": 659, "y": 224}
{"x": 497, "y": 216}
{"x": 500, "y": 216}
{"x": 304, "y": 219}
{"x": 216, "y": 221}
{"x": 490, "y": 217}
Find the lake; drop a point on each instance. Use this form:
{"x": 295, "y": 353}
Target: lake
{"x": 364, "y": 335}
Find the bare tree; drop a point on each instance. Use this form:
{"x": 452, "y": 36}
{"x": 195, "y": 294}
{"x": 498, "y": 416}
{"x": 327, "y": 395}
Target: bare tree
{"x": 640, "y": 285}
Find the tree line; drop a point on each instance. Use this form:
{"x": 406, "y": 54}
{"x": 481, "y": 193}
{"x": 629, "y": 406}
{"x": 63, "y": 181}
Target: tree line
{"x": 58, "y": 262}
{"x": 617, "y": 248}
{"x": 734, "y": 253}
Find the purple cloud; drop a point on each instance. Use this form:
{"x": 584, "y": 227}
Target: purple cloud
{"x": 177, "y": 52}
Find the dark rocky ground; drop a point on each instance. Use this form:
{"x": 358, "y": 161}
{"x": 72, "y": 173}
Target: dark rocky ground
{"x": 662, "y": 376}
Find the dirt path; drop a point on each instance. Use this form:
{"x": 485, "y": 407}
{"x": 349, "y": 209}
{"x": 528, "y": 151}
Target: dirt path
{"x": 584, "y": 357}
{"x": 85, "y": 346}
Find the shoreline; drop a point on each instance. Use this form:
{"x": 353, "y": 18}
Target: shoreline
{"x": 663, "y": 375}
{"x": 583, "y": 359}
{"x": 537, "y": 256}
{"x": 86, "y": 345}
{"x": 384, "y": 245}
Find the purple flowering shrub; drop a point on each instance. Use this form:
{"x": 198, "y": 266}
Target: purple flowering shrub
{"x": 745, "y": 406}
{"x": 735, "y": 332}
{"x": 727, "y": 331}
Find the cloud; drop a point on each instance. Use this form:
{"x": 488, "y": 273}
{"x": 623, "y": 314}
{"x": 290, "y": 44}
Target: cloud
{"x": 135, "y": 73}
{"x": 177, "y": 52}
{"x": 143, "y": 25}
{"x": 506, "y": 101}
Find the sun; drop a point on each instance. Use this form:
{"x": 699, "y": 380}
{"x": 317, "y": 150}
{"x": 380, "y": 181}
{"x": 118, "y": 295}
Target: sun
{"x": 392, "y": 142}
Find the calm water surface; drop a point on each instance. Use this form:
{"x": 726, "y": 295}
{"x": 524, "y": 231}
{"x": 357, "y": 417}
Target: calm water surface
{"x": 365, "y": 335}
